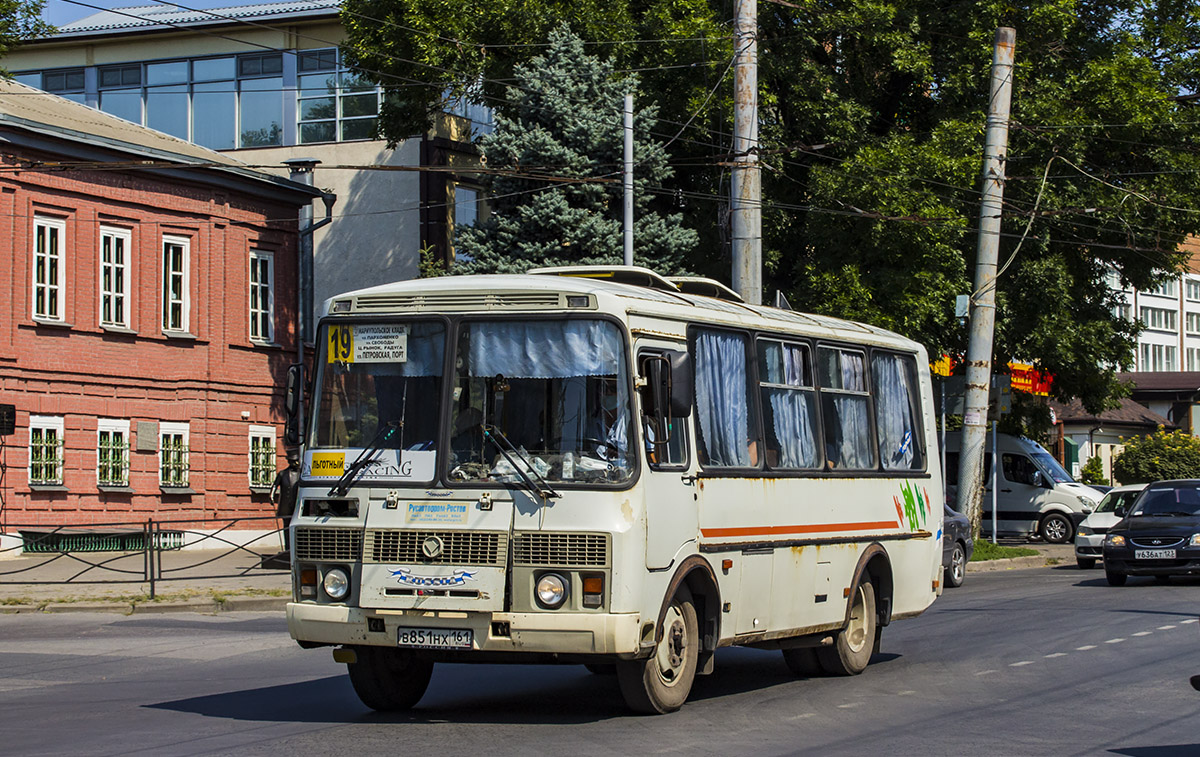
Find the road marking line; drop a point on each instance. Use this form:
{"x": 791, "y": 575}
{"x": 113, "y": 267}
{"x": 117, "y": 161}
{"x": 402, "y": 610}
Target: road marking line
{"x": 1165, "y": 628}
{"x": 851, "y": 705}
{"x": 1086, "y": 648}
{"x": 1019, "y": 664}
{"x": 1114, "y": 641}
{"x": 905, "y": 693}
{"x": 1056, "y": 654}
{"x": 801, "y": 717}
{"x": 984, "y": 672}
{"x": 1189, "y": 620}
{"x": 1143, "y": 633}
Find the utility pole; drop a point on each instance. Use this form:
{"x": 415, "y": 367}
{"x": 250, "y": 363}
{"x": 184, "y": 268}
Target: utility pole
{"x": 745, "y": 202}
{"x": 983, "y": 305}
{"x": 628, "y": 179}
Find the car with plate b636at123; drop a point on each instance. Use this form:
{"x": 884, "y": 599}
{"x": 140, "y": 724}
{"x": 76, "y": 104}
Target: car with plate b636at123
{"x": 1159, "y": 535}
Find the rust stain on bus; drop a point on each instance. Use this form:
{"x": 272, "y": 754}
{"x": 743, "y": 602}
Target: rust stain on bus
{"x": 815, "y": 528}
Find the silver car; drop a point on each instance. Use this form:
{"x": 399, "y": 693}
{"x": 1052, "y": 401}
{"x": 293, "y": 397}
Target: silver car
{"x": 1089, "y": 537}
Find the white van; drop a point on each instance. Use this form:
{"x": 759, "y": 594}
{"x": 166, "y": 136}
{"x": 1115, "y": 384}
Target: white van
{"x": 1037, "y": 495}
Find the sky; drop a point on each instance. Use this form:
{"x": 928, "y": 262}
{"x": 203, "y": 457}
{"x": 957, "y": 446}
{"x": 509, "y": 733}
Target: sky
{"x": 59, "y": 12}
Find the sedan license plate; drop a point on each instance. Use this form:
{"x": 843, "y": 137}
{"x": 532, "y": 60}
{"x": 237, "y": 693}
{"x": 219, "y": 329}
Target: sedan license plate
{"x": 1154, "y": 554}
{"x": 434, "y": 638}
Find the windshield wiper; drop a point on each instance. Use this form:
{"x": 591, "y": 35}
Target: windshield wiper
{"x": 363, "y": 460}
{"x": 544, "y": 491}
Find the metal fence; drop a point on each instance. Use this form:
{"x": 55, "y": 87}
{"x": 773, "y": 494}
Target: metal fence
{"x": 72, "y": 553}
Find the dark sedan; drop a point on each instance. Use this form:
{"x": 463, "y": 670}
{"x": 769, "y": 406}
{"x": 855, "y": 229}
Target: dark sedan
{"x": 957, "y": 546}
{"x": 1159, "y": 536}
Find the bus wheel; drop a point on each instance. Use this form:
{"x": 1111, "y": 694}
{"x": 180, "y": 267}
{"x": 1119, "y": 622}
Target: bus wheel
{"x": 661, "y": 682}
{"x": 803, "y": 662}
{"x": 852, "y": 647}
{"x": 389, "y": 680}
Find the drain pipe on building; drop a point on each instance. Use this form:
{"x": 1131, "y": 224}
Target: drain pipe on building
{"x": 301, "y": 172}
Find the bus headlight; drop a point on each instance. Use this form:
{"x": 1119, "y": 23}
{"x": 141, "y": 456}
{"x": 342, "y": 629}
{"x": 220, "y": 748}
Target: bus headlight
{"x": 336, "y": 584}
{"x": 551, "y": 590}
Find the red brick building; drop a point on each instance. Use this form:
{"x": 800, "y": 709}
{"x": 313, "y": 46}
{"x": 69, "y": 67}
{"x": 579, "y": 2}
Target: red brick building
{"x": 147, "y": 318}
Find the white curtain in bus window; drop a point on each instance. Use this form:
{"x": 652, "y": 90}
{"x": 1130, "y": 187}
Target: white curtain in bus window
{"x": 788, "y": 397}
{"x": 842, "y": 376}
{"x": 899, "y": 443}
{"x": 722, "y": 405}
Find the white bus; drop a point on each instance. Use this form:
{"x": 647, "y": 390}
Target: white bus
{"x": 600, "y": 466}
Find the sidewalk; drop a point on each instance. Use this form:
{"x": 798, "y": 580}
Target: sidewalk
{"x": 1048, "y": 554}
{"x": 192, "y": 581}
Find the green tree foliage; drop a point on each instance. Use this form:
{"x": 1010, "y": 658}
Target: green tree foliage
{"x": 21, "y": 20}
{"x": 1158, "y": 456}
{"x": 564, "y": 118}
{"x": 872, "y": 124}
{"x": 1092, "y": 472}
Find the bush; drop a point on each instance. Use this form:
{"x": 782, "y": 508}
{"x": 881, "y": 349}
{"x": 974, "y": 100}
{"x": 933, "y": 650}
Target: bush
{"x": 1093, "y": 472}
{"x": 1158, "y": 456}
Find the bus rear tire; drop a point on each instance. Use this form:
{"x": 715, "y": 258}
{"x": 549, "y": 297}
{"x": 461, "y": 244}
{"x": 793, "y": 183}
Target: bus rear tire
{"x": 852, "y": 647}
{"x": 389, "y": 680}
{"x": 661, "y": 683}
{"x": 803, "y": 662}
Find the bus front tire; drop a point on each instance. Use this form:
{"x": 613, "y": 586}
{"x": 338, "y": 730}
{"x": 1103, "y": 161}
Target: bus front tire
{"x": 389, "y": 680}
{"x": 1055, "y": 528}
{"x": 852, "y": 647}
{"x": 661, "y": 683}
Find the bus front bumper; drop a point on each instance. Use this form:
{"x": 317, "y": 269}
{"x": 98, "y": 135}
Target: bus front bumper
{"x": 542, "y": 632}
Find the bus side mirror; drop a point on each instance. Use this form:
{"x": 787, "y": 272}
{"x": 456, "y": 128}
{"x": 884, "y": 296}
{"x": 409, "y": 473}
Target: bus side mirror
{"x": 293, "y": 396}
{"x": 681, "y": 391}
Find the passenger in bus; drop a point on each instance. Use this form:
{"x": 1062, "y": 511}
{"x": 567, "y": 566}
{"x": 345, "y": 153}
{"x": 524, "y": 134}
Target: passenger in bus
{"x": 607, "y": 432}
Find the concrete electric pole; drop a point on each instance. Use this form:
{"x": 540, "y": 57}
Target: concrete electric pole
{"x": 745, "y": 202}
{"x": 983, "y": 301}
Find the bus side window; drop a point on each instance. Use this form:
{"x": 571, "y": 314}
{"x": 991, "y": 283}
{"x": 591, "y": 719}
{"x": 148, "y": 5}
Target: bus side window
{"x": 726, "y": 415}
{"x": 845, "y": 409}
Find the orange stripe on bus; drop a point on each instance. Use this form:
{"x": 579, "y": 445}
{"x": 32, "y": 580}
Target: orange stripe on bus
{"x": 820, "y": 528}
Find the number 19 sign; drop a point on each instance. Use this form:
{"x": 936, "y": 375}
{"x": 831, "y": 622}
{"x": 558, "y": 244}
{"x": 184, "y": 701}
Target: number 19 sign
{"x": 376, "y": 343}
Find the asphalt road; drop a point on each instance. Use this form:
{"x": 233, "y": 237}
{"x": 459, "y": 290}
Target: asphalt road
{"x": 1040, "y": 662}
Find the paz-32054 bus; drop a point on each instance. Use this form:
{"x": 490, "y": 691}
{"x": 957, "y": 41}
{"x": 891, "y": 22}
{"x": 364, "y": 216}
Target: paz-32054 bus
{"x": 600, "y": 466}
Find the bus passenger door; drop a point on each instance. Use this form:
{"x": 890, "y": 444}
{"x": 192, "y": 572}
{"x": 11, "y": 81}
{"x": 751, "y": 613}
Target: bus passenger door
{"x": 668, "y": 486}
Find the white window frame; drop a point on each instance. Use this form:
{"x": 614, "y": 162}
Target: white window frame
{"x": 1191, "y": 290}
{"x": 1192, "y": 323}
{"x": 1193, "y": 358}
{"x": 117, "y": 295}
{"x": 254, "y": 304}
{"x": 261, "y": 433}
{"x": 165, "y": 429}
{"x": 168, "y": 276}
{"x": 52, "y": 287}
{"x": 1159, "y": 319}
{"x": 45, "y": 423}
{"x": 119, "y": 428}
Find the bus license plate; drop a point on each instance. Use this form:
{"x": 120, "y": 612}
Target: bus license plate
{"x": 1154, "y": 554}
{"x": 435, "y": 638}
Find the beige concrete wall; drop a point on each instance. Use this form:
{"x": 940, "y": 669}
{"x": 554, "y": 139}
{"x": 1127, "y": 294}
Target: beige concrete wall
{"x": 375, "y": 235}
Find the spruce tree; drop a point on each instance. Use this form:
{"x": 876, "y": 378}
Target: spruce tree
{"x": 554, "y": 181}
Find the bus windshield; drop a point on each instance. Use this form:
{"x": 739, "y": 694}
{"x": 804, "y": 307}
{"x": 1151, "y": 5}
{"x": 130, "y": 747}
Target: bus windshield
{"x": 370, "y": 375}
{"x": 1056, "y": 472}
{"x": 558, "y": 391}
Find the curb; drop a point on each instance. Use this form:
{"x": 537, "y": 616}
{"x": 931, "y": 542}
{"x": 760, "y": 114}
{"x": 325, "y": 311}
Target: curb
{"x": 206, "y": 606}
{"x": 1009, "y": 563}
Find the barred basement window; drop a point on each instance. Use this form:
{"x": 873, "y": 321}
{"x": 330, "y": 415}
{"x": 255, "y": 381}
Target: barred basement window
{"x": 45, "y": 450}
{"x": 173, "y": 464}
{"x": 112, "y": 453}
{"x": 262, "y": 456}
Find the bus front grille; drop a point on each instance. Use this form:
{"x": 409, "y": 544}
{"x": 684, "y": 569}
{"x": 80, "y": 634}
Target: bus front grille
{"x": 456, "y": 547}
{"x": 561, "y": 550}
{"x": 343, "y": 544}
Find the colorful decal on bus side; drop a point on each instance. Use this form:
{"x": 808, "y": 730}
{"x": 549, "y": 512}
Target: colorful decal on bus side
{"x": 915, "y": 507}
